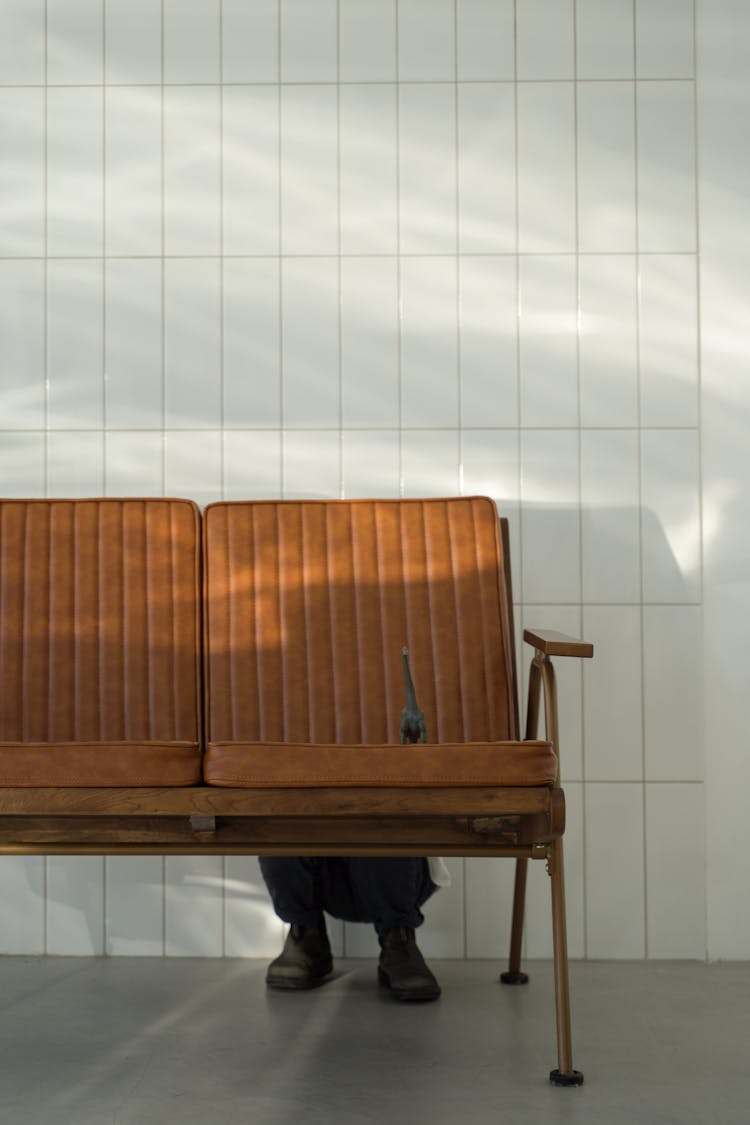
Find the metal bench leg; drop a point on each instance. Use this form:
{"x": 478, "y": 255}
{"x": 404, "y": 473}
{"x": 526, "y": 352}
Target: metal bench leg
{"x": 514, "y": 974}
{"x": 564, "y": 1075}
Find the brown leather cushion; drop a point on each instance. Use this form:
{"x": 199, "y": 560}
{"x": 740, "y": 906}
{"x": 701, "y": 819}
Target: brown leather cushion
{"x": 308, "y": 606}
{"x": 99, "y": 641}
{"x": 257, "y": 765}
{"x": 95, "y": 764}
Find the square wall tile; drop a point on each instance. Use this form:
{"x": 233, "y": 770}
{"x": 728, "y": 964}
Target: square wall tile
{"x": 74, "y": 42}
{"x": 546, "y": 139}
{"x": 427, "y": 169}
{"x": 370, "y": 342}
{"x": 134, "y": 906}
{"x": 311, "y": 464}
{"x": 192, "y": 173}
{"x": 308, "y": 40}
{"x": 426, "y": 40}
{"x": 606, "y": 167}
{"x": 673, "y": 693}
{"x": 664, "y": 38}
{"x": 194, "y": 906}
{"x": 615, "y": 892}
{"x": 671, "y": 527}
{"x": 429, "y": 463}
{"x": 251, "y": 322}
{"x": 251, "y": 929}
{"x": 22, "y": 320}
{"x": 429, "y": 342}
{"x": 486, "y": 168}
{"x": 489, "y": 906}
{"x": 191, "y": 40}
{"x": 75, "y": 905}
{"x": 666, "y": 167}
{"x": 610, "y": 516}
{"x": 604, "y": 39}
{"x": 443, "y": 931}
{"x": 250, "y": 41}
{"x": 545, "y": 39}
{"x": 488, "y": 340}
{"x": 22, "y": 45}
{"x": 608, "y": 339}
{"x": 133, "y": 174}
{"x": 22, "y": 463}
{"x": 548, "y": 347}
{"x": 309, "y": 170}
{"x": 675, "y": 872}
{"x": 668, "y": 339}
{"x": 252, "y": 465}
{"x": 192, "y": 465}
{"x": 22, "y": 179}
{"x": 310, "y": 329}
{"x": 485, "y": 33}
{"x": 75, "y": 344}
{"x": 371, "y": 463}
{"x": 367, "y": 41}
{"x": 368, "y": 169}
{"x": 250, "y": 170}
{"x": 133, "y": 41}
{"x": 550, "y": 517}
{"x": 192, "y": 343}
{"x": 612, "y": 694}
{"x": 133, "y": 463}
{"x": 22, "y": 887}
{"x": 490, "y": 466}
{"x": 133, "y": 359}
{"x": 75, "y": 187}
{"x": 75, "y": 463}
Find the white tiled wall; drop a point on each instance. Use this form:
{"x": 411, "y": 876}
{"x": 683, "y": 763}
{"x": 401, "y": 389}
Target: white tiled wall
{"x": 384, "y": 247}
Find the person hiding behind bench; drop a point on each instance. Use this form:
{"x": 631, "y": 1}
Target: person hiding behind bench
{"x": 388, "y": 892}
{"x": 385, "y": 891}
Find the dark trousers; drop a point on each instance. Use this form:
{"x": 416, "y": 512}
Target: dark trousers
{"x": 385, "y": 891}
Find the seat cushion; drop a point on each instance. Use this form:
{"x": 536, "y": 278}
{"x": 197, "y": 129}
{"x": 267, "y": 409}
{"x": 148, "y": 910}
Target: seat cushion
{"x": 93, "y": 764}
{"x": 288, "y": 765}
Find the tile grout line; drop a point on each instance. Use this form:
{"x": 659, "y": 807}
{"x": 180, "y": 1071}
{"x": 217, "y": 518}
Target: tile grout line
{"x": 639, "y": 448}
{"x": 701, "y": 476}
{"x": 582, "y": 692}
{"x": 222, "y": 399}
{"x": 46, "y": 859}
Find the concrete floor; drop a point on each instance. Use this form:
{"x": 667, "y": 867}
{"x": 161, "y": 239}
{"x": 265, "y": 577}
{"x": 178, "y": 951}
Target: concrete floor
{"x": 149, "y": 1042}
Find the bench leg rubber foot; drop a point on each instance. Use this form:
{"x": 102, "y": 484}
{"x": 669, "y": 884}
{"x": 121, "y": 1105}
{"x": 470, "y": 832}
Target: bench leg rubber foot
{"x": 514, "y": 978}
{"x": 575, "y": 1078}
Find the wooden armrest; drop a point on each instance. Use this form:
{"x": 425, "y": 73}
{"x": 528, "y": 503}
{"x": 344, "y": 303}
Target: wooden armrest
{"x": 552, "y": 643}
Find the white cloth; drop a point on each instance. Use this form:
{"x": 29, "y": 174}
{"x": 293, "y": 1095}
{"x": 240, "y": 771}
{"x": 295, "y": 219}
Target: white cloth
{"x": 439, "y": 872}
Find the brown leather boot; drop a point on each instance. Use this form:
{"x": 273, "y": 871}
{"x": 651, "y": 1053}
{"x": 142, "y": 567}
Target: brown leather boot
{"x": 402, "y": 967}
{"x": 304, "y": 961}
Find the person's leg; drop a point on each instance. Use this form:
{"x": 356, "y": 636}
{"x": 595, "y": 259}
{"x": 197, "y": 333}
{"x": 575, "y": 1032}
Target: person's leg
{"x": 389, "y": 893}
{"x": 385, "y": 891}
{"x": 294, "y": 884}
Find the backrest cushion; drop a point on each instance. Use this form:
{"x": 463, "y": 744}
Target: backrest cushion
{"x": 309, "y": 603}
{"x": 99, "y": 621}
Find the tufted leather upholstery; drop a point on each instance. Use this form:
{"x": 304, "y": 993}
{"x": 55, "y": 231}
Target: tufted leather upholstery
{"x": 99, "y": 642}
{"x": 308, "y": 605}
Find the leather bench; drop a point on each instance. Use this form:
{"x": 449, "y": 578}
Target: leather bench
{"x": 232, "y": 682}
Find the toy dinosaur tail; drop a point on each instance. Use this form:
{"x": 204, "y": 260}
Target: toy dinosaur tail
{"x": 411, "y": 695}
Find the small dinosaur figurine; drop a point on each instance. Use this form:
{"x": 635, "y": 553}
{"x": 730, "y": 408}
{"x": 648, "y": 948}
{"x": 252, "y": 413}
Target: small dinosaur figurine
{"x": 413, "y": 727}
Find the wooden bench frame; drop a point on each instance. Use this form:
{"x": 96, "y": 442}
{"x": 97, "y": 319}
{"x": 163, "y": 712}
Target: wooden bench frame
{"x": 512, "y": 822}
